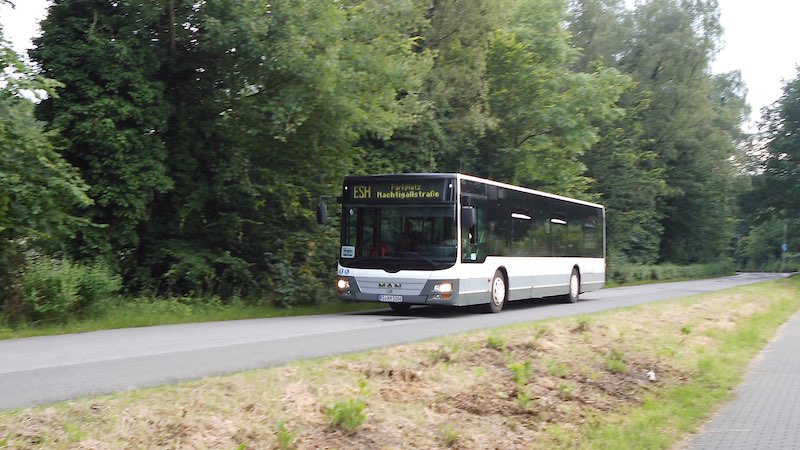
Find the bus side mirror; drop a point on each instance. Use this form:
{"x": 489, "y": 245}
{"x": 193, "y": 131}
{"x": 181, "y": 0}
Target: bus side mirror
{"x": 468, "y": 217}
{"x": 322, "y": 213}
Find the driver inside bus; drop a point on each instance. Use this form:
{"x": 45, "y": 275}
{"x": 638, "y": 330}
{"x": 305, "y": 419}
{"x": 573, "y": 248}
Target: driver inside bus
{"x": 409, "y": 238}
{"x": 492, "y": 240}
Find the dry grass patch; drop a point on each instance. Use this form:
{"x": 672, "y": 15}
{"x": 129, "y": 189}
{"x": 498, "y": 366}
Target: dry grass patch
{"x": 539, "y": 385}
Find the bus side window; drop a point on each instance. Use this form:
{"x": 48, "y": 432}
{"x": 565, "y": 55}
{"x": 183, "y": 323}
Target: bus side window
{"x": 520, "y": 233}
{"x": 474, "y": 194}
{"x": 558, "y": 235}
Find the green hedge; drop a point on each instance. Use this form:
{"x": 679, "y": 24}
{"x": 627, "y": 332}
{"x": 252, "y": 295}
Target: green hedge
{"x": 632, "y": 273}
{"x": 790, "y": 265}
{"x": 59, "y": 289}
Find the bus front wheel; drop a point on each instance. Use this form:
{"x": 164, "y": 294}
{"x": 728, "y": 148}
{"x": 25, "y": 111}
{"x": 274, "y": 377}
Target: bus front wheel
{"x": 499, "y": 293}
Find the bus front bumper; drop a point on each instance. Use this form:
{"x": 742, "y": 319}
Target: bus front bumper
{"x": 435, "y": 292}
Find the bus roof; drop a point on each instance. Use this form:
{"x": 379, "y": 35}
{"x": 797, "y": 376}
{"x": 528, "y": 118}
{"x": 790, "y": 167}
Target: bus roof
{"x": 462, "y": 176}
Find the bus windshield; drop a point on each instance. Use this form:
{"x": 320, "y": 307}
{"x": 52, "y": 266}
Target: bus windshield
{"x": 399, "y": 237}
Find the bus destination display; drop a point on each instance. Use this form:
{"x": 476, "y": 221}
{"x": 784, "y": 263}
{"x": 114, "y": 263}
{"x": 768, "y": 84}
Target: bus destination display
{"x": 400, "y": 191}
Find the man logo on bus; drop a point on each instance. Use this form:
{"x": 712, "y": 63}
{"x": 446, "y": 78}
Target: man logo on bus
{"x": 390, "y": 285}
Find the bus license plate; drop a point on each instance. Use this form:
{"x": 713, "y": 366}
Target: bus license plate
{"x": 390, "y": 298}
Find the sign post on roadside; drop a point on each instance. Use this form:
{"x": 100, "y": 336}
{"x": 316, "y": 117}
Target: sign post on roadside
{"x": 784, "y": 249}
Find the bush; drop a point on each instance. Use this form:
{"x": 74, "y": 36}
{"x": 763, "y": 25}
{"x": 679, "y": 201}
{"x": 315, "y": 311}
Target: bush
{"x": 97, "y": 284}
{"x": 495, "y": 342}
{"x": 300, "y": 271}
{"x": 621, "y": 273}
{"x": 289, "y": 285}
{"x": 59, "y": 289}
{"x": 791, "y": 264}
{"x": 615, "y": 363}
{"x": 50, "y": 289}
{"x": 286, "y": 437}
{"x": 347, "y": 415}
{"x": 181, "y": 269}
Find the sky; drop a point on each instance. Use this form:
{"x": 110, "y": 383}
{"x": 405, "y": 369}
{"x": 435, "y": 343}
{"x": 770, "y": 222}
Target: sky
{"x": 760, "y": 40}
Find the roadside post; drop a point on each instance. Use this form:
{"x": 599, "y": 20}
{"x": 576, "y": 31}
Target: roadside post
{"x": 784, "y": 249}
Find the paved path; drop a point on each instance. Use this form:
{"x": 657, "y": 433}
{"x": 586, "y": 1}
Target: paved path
{"x": 766, "y": 411}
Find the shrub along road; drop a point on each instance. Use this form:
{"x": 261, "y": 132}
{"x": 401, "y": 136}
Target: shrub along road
{"x": 53, "y": 368}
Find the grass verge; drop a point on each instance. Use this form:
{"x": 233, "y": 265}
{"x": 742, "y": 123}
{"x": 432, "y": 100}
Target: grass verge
{"x": 147, "y": 312}
{"x": 580, "y": 382}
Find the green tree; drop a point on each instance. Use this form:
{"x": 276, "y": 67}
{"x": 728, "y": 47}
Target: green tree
{"x": 687, "y": 123}
{"x": 601, "y": 29}
{"x": 664, "y": 169}
{"x": 625, "y": 170}
{"x": 39, "y": 191}
{"x": 782, "y": 164}
{"x": 207, "y": 130}
{"x": 773, "y": 202}
{"x": 761, "y": 249}
{"x": 111, "y": 113}
{"x": 630, "y": 184}
{"x": 455, "y": 91}
{"x": 546, "y": 111}
{"x": 270, "y": 101}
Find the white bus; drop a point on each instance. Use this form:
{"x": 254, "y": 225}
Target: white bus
{"x": 454, "y": 239}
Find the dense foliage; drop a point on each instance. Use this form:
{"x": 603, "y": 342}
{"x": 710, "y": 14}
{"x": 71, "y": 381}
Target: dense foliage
{"x": 206, "y": 131}
{"x": 772, "y": 208}
{"x": 39, "y": 191}
{"x": 665, "y": 169}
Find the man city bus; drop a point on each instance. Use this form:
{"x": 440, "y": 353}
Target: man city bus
{"x": 454, "y": 239}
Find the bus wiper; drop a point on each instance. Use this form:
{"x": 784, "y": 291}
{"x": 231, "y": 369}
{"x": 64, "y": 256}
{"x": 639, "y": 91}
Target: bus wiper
{"x": 422, "y": 257}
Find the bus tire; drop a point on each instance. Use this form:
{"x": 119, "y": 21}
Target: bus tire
{"x": 574, "y": 287}
{"x": 499, "y": 292}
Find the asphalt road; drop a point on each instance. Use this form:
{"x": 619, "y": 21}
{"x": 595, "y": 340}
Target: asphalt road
{"x": 53, "y": 368}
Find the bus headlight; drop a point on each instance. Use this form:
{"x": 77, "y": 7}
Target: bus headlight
{"x": 444, "y": 290}
{"x": 443, "y": 287}
{"x": 342, "y": 285}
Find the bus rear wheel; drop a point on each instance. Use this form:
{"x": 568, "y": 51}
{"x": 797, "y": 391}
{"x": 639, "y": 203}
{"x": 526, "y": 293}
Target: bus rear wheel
{"x": 499, "y": 293}
{"x": 574, "y": 287}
